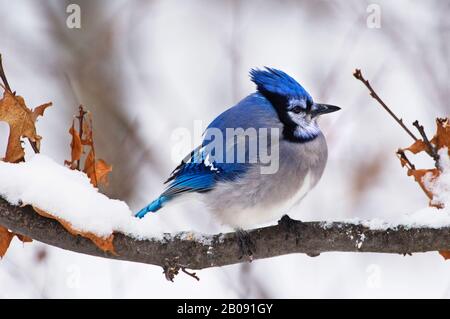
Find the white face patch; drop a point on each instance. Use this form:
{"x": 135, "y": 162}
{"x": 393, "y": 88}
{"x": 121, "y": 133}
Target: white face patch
{"x": 307, "y": 127}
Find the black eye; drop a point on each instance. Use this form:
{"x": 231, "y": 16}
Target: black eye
{"x": 296, "y": 109}
{"x": 309, "y": 105}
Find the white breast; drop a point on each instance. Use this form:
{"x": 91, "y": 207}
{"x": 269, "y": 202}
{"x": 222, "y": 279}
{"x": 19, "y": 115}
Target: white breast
{"x": 266, "y": 212}
{"x": 308, "y": 183}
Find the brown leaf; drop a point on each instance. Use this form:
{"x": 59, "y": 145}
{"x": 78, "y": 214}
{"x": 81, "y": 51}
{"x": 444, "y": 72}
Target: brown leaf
{"x": 418, "y": 175}
{"x": 96, "y": 169}
{"x": 417, "y": 147}
{"x": 89, "y": 167}
{"x": 39, "y": 111}
{"x": 102, "y": 169}
{"x": 88, "y": 135}
{"x": 445, "y": 254}
{"x": 104, "y": 243}
{"x": 442, "y": 137}
{"x": 21, "y": 121}
{"x": 440, "y": 140}
{"x": 5, "y": 239}
{"x": 24, "y": 239}
{"x": 75, "y": 147}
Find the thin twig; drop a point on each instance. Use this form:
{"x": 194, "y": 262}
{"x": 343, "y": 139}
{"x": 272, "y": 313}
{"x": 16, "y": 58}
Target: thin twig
{"x": 192, "y": 274}
{"x": 34, "y": 146}
{"x": 3, "y": 76}
{"x": 401, "y": 154}
{"x": 431, "y": 149}
{"x": 172, "y": 267}
{"x": 358, "y": 75}
{"x": 80, "y": 118}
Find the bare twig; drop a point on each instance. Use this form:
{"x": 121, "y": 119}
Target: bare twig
{"x": 172, "y": 267}
{"x": 401, "y": 154}
{"x": 192, "y": 274}
{"x": 80, "y": 118}
{"x": 3, "y": 76}
{"x": 431, "y": 149}
{"x": 358, "y": 75}
{"x": 34, "y": 146}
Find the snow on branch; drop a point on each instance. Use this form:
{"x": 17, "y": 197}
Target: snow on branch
{"x": 69, "y": 196}
{"x": 196, "y": 251}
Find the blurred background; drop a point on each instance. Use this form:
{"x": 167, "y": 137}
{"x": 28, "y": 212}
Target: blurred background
{"x": 147, "y": 68}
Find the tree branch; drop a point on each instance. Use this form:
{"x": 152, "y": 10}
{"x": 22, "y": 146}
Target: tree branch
{"x": 358, "y": 75}
{"x": 3, "y": 76}
{"x": 288, "y": 237}
{"x": 431, "y": 149}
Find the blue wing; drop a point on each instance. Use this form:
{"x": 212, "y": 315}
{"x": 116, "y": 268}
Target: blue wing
{"x": 197, "y": 174}
{"x": 194, "y": 174}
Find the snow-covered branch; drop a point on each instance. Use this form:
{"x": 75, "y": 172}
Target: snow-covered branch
{"x": 197, "y": 251}
{"x": 110, "y": 230}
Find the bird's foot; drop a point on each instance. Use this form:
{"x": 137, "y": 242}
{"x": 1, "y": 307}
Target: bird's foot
{"x": 245, "y": 244}
{"x": 287, "y": 222}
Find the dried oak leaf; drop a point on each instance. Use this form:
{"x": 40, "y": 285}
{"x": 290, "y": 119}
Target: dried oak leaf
{"x": 102, "y": 169}
{"x": 418, "y": 175}
{"x": 89, "y": 167}
{"x": 96, "y": 170}
{"x": 417, "y": 147}
{"x": 75, "y": 147}
{"x": 21, "y": 121}
{"x": 24, "y": 239}
{"x": 5, "y": 239}
{"x": 441, "y": 139}
{"x": 445, "y": 254}
{"x": 104, "y": 243}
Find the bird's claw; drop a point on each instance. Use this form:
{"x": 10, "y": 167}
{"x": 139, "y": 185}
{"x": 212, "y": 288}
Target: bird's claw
{"x": 287, "y": 222}
{"x": 245, "y": 244}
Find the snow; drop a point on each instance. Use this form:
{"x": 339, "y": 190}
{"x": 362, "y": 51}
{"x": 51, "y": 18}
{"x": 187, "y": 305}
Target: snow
{"x": 441, "y": 186}
{"x": 431, "y": 217}
{"x": 360, "y": 241}
{"x": 69, "y": 195}
{"x": 174, "y": 91}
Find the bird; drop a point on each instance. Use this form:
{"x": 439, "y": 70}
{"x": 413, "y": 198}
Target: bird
{"x": 280, "y": 117}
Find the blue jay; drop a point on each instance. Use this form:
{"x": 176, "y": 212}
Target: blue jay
{"x": 237, "y": 192}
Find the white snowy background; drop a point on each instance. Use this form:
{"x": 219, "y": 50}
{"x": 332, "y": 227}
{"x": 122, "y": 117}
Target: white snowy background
{"x": 148, "y": 68}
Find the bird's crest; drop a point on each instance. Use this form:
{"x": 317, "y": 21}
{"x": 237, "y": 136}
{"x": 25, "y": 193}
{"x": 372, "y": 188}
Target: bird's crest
{"x": 277, "y": 82}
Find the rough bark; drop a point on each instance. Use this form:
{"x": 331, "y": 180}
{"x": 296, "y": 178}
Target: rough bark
{"x": 198, "y": 252}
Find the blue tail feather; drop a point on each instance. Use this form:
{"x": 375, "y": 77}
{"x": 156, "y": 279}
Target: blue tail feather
{"x": 152, "y": 207}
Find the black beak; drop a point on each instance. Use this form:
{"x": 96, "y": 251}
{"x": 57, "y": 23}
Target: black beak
{"x": 320, "y": 109}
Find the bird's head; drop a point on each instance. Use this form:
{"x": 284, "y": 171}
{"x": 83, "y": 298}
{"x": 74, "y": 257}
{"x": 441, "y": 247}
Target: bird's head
{"x": 293, "y": 104}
